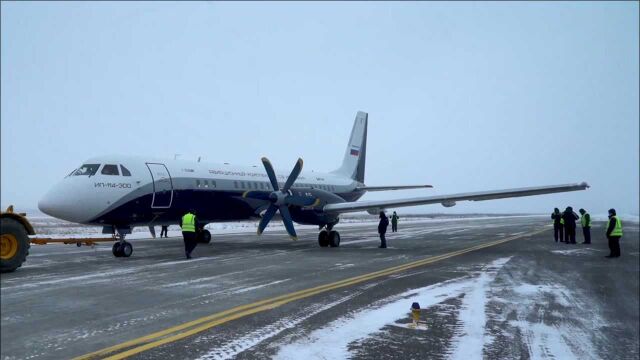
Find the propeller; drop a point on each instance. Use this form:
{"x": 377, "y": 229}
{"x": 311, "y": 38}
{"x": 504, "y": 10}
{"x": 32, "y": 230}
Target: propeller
{"x": 280, "y": 198}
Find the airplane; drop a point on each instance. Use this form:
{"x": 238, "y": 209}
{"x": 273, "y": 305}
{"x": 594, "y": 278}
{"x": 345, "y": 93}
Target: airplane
{"x": 120, "y": 192}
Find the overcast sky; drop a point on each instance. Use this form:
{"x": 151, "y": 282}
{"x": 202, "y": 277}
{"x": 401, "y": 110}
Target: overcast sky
{"x": 464, "y": 96}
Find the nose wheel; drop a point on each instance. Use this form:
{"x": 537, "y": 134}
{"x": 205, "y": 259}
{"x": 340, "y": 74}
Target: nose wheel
{"x": 122, "y": 249}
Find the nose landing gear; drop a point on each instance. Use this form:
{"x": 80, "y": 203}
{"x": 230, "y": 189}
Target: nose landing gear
{"x": 122, "y": 248}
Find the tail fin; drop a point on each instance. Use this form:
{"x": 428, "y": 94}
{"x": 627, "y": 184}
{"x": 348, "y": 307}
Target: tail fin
{"x": 356, "y": 152}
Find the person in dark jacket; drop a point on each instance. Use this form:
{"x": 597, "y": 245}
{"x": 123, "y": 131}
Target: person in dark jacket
{"x": 164, "y": 230}
{"x": 394, "y": 222}
{"x": 569, "y": 217}
{"x": 558, "y": 225}
{"x": 382, "y": 229}
{"x": 585, "y": 221}
{"x": 614, "y": 233}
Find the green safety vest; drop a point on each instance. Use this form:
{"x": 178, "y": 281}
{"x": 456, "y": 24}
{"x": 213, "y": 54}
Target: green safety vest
{"x": 189, "y": 223}
{"x": 617, "y": 230}
{"x": 584, "y": 221}
{"x": 561, "y": 221}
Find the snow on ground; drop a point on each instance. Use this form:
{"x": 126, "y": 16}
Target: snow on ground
{"x": 584, "y": 251}
{"x": 481, "y": 295}
{"x": 236, "y": 346}
{"x": 332, "y": 341}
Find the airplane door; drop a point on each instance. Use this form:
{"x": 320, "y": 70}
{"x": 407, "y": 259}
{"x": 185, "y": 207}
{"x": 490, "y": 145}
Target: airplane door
{"x": 162, "y": 186}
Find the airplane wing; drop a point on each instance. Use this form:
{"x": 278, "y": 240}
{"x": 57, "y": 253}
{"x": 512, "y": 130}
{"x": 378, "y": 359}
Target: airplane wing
{"x": 399, "y": 187}
{"x": 450, "y": 200}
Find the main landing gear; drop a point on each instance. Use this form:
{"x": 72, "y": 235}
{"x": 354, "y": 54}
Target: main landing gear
{"x": 122, "y": 248}
{"x": 329, "y": 237}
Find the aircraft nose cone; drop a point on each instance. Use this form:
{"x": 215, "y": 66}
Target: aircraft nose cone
{"x": 61, "y": 203}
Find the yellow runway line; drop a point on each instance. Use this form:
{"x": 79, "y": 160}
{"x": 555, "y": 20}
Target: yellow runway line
{"x": 178, "y": 332}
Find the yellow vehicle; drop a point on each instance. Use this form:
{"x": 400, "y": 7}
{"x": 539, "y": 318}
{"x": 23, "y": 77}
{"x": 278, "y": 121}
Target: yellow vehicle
{"x": 15, "y": 242}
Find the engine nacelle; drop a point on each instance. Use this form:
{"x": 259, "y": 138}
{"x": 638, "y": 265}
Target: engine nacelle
{"x": 448, "y": 203}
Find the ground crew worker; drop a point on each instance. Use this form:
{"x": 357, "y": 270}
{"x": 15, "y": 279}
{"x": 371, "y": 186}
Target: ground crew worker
{"x": 614, "y": 233}
{"x": 569, "y": 217}
{"x": 394, "y": 222}
{"x": 382, "y": 229}
{"x": 164, "y": 230}
{"x": 188, "y": 225}
{"x": 585, "y": 220}
{"x": 558, "y": 225}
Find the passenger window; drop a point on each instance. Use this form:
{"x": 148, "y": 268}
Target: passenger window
{"x": 235, "y": 184}
{"x": 197, "y": 183}
{"x": 213, "y": 183}
{"x": 87, "y": 169}
{"x": 125, "y": 171}
{"x": 110, "y": 170}
{"x": 206, "y": 183}
{"x": 242, "y": 184}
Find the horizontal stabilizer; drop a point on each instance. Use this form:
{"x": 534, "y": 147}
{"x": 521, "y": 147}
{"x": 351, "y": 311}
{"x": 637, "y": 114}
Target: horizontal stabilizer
{"x": 450, "y": 200}
{"x": 398, "y": 187}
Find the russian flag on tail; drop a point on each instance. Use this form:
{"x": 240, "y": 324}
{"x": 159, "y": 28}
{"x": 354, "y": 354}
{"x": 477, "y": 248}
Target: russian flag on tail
{"x": 355, "y": 150}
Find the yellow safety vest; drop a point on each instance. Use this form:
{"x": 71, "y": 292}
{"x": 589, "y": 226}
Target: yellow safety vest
{"x": 189, "y": 223}
{"x": 617, "y": 230}
{"x": 584, "y": 221}
{"x": 561, "y": 221}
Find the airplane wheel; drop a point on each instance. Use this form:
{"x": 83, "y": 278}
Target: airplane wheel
{"x": 78, "y": 244}
{"x": 116, "y": 249}
{"x": 126, "y": 249}
{"x": 323, "y": 238}
{"x": 205, "y": 237}
{"x": 334, "y": 239}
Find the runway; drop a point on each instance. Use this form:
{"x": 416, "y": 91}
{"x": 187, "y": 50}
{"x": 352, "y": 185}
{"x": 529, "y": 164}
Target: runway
{"x": 499, "y": 287}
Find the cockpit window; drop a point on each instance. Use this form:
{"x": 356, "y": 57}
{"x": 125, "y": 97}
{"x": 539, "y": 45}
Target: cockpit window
{"x": 87, "y": 169}
{"x": 125, "y": 171}
{"x": 109, "y": 169}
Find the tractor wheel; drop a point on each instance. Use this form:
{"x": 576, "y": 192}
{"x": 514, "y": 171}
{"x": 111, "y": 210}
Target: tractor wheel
{"x": 14, "y": 245}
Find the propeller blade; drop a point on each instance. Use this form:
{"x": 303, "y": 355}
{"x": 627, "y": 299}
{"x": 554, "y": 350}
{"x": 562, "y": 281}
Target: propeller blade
{"x": 268, "y": 215}
{"x": 288, "y": 223}
{"x": 300, "y": 200}
{"x": 293, "y": 176}
{"x": 260, "y": 195}
{"x": 270, "y": 173}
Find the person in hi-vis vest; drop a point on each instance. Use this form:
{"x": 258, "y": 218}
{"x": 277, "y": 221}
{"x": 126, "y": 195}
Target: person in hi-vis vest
{"x": 614, "y": 233}
{"x": 585, "y": 221}
{"x": 188, "y": 225}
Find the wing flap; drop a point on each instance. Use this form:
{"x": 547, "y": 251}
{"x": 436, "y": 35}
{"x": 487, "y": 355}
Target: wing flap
{"x": 450, "y": 200}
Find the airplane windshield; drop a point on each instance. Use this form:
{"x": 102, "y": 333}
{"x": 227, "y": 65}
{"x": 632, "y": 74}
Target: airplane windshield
{"x": 87, "y": 169}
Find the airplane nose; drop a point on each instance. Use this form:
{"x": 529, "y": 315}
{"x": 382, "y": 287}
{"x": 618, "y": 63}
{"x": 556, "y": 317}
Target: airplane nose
{"x": 61, "y": 203}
